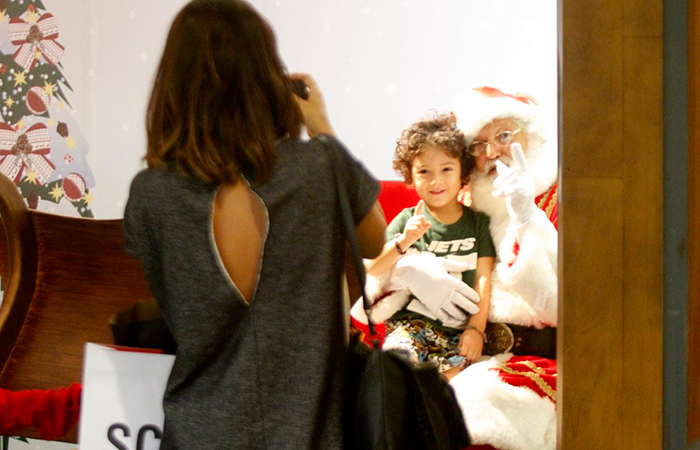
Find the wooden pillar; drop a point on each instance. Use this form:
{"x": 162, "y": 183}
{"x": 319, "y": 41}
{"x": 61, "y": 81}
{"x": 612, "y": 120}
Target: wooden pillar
{"x": 611, "y": 225}
{"x": 693, "y": 221}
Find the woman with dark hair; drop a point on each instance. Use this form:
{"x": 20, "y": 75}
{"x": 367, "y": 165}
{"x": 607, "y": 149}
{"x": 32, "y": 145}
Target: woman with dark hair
{"x": 236, "y": 226}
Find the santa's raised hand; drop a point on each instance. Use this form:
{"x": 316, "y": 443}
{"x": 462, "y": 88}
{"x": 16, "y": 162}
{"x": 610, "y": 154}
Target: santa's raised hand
{"x": 516, "y": 186}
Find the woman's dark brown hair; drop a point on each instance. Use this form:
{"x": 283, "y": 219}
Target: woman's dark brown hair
{"x": 221, "y": 95}
{"x": 440, "y": 131}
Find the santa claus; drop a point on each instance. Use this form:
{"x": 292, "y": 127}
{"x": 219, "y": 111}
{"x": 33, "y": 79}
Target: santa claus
{"x": 509, "y": 401}
{"x": 515, "y": 185}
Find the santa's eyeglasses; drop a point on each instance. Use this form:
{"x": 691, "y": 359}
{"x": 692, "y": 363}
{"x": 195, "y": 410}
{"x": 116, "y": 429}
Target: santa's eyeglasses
{"x": 501, "y": 141}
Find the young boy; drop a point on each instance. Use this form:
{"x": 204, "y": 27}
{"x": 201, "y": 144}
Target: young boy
{"x": 432, "y": 157}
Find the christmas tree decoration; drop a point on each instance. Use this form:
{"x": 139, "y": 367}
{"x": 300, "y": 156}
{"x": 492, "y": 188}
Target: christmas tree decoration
{"x": 35, "y": 40}
{"x": 37, "y": 151}
{"x": 73, "y": 187}
{"x": 26, "y": 151}
{"x": 38, "y": 100}
{"x": 62, "y": 129}
{"x": 5, "y": 441}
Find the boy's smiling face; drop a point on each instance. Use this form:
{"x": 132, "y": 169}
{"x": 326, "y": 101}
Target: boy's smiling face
{"x": 436, "y": 177}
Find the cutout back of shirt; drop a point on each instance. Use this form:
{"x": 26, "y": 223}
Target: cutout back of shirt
{"x": 240, "y": 225}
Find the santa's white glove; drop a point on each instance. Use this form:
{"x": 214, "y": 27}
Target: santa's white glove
{"x": 517, "y": 186}
{"x": 428, "y": 279}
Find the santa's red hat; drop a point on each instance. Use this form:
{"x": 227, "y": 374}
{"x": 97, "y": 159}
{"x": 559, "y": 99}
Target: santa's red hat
{"x": 477, "y": 107}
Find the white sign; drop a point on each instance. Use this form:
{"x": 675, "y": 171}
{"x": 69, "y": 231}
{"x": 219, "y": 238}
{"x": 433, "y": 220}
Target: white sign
{"x": 122, "y": 400}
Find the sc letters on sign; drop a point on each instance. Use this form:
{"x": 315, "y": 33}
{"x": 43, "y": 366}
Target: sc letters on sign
{"x": 116, "y": 439}
{"x": 122, "y": 400}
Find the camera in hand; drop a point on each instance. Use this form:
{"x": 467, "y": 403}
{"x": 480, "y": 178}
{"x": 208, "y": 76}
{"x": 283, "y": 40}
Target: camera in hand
{"x": 300, "y": 89}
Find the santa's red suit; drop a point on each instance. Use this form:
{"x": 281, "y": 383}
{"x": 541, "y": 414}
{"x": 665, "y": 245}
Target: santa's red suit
{"x": 509, "y": 401}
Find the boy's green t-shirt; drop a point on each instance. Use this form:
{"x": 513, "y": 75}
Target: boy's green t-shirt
{"x": 465, "y": 240}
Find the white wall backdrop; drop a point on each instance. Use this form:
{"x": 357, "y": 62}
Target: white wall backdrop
{"x": 381, "y": 64}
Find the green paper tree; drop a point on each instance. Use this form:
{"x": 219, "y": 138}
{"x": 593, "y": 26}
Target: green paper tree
{"x": 31, "y": 81}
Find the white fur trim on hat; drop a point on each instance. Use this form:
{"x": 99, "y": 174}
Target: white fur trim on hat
{"x": 478, "y": 107}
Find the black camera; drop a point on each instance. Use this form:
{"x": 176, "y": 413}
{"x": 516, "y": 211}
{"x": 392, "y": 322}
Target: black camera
{"x": 300, "y": 89}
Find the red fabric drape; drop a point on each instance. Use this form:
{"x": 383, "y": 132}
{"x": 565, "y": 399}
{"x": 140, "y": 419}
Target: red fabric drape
{"x": 54, "y": 411}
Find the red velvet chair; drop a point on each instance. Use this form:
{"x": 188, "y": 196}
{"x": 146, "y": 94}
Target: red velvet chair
{"x": 395, "y": 197}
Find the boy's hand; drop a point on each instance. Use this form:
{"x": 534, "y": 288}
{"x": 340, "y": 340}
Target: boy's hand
{"x": 471, "y": 344}
{"x": 415, "y": 228}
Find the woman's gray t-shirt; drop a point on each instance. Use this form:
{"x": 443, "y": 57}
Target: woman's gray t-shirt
{"x": 269, "y": 375}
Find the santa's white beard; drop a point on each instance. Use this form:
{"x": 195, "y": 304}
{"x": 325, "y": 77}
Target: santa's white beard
{"x": 483, "y": 200}
{"x": 542, "y": 167}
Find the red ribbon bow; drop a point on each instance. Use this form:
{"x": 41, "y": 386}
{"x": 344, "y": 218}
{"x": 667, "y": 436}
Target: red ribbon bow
{"x": 31, "y": 38}
{"x": 25, "y": 151}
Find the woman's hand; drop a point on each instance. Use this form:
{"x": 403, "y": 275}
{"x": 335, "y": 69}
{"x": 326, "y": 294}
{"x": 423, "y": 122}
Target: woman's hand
{"x": 314, "y": 108}
{"x": 471, "y": 344}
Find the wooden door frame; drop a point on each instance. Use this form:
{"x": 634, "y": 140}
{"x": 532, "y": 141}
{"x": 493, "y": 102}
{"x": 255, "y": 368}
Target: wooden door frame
{"x": 614, "y": 74}
{"x": 676, "y": 233}
{"x": 693, "y": 416}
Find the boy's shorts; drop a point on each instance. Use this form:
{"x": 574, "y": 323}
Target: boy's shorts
{"x": 420, "y": 341}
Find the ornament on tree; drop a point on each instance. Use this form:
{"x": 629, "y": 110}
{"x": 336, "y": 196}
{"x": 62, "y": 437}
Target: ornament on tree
{"x": 38, "y": 100}
{"x": 25, "y": 151}
{"x": 73, "y": 187}
{"x": 31, "y": 38}
{"x": 32, "y": 201}
{"x": 62, "y": 129}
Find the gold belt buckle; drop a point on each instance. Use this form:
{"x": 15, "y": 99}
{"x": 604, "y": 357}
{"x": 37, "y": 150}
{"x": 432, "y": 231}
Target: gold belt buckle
{"x": 500, "y": 338}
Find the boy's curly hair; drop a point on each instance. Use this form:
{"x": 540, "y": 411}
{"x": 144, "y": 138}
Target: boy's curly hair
{"x": 439, "y": 130}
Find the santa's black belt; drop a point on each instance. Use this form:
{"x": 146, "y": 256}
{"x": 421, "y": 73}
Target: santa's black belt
{"x": 520, "y": 340}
